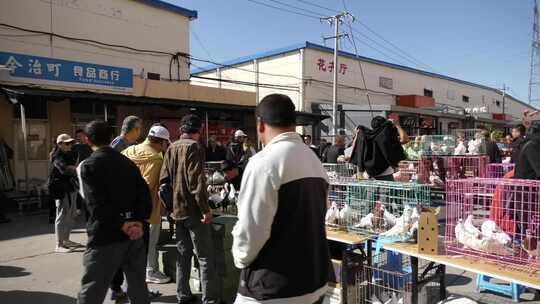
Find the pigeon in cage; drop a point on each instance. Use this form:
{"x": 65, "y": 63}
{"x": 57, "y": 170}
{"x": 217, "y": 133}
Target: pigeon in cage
{"x": 332, "y": 175}
{"x": 218, "y": 178}
{"x": 402, "y": 224}
{"x": 460, "y": 149}
{"x": 332, "y": 214}
{"x": 435, "y": 180}
{"x": 474, "y": 147}
{"x": 484, "y": 244}
{"x": 530, "y": 244}
{"x": 470, "y": 228}
{"x": 490, "y": 230}
{"x": 343, "y": 214}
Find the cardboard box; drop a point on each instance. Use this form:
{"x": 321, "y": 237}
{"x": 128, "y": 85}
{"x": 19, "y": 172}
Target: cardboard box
{"x": 428, "y": 231}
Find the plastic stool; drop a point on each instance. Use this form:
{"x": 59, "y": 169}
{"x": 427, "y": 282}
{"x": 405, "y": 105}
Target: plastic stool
{"x": 512, "y": 289}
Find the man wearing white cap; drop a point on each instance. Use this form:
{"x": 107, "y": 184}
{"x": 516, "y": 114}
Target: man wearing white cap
{"x": 148, "y": 156}
{"x": 62, "y": 186}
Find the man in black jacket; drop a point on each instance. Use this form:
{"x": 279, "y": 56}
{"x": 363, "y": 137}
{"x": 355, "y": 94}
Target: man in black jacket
{"x": 528, "y": 162}
{"x": 118, "y": 200}
{"x": 518, "y": 135}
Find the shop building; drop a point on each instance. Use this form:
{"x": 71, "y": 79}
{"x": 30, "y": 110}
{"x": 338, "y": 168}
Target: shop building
{"x": 426, "y": 102}
{"x": 133, "y": 60}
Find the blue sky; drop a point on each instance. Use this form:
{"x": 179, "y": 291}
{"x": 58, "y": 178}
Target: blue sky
{"x": 483, "y": 41}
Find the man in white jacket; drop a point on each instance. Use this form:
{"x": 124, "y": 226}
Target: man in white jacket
{"x": 280, "y": 238}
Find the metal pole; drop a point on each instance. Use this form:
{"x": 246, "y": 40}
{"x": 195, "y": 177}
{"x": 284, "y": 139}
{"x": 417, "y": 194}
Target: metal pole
{"x": 335, "y": 88}
{"x": 25, "y": 143}
{"x": 503, "y": 100}
{"x": 105, "y": 112}
{"x": 207, "y": 135}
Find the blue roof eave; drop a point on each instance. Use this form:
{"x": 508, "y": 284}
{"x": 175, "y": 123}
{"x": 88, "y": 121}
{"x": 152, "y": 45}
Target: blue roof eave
{"x": 191, "y": 14}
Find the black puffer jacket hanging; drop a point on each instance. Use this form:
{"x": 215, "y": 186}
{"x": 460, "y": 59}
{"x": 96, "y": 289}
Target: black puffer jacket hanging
{"x": 376, "y": 150}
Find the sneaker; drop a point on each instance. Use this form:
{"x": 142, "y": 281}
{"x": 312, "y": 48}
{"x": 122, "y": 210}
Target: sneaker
{"x": 156, "y": 277}
{"x": 71, "y": 244}
{"x": 118, "y": 295}
{"x": 61, "y": 249}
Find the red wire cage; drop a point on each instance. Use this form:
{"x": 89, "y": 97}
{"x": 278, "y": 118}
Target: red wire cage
{"x": 495, "y": 219}
{"x": 435, "y": 170}
{"x": 498, "y": 170}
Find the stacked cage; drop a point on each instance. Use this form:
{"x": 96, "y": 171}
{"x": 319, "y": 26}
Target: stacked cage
{"x": 387, "y": 280}
{"x": 466, "y": 134}
{"x": 498, "y": 170}
{"x": 428, "y": 145}
{"x": 433, "y": 170}
{"x": 386, "y": 208}
{"x": 495, "y": 219}
{"x": 408, "y": 171}
{"x": 222, "y": 197}
{"x": 460, "y": 167}
{"x": 342, "y": 172}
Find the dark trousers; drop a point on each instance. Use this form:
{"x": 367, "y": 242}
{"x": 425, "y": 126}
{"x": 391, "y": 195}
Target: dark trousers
{"x": 100, "y": 264}
{"x": 118, "y": 278}
{"x": 191, "y": 235}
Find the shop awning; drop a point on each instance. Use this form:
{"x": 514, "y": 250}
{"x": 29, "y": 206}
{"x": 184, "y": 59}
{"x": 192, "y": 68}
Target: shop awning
{"x": 309, "y": 119}
{"x": 124, "y": 99}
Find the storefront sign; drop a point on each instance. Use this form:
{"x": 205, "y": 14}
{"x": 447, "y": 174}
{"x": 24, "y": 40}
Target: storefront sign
{"x": 35, "y": 69}
{"x": 329, "y": 66}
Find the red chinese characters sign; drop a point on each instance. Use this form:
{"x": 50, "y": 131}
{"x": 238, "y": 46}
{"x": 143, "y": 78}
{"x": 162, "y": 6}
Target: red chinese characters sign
{"x": 329, "y": 67}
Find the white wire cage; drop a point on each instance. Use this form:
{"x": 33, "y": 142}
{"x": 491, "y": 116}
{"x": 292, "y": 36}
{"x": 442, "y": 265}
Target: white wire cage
{"x": 385, "y": 208}
{"x": 342, "y": 172}
{"x": 466, "y": 134}
{"x": 428, "y": 145}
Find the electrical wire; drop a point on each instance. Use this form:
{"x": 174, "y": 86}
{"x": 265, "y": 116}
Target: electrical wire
{"x": 284, "y": 9}
{"x": 201, "y": 44}
{"x": 263, "y": 85}
{"x": 297, "y": 7}
{"x": 317, "y": 5}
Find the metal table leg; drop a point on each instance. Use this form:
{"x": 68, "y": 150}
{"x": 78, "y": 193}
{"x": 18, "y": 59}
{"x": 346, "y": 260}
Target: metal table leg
{"x": 442, "y": 282}
{"x": 414, "y": 291}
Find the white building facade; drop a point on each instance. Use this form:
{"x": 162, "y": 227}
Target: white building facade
{"x": 306, "y": 73}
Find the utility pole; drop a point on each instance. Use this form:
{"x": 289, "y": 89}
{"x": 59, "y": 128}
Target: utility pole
{"x": 504, "y": 101}
{"x": 335, "y": 21}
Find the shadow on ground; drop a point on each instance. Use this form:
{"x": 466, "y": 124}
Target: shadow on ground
{"x": 457, "y": 280}
{"x": 32, "y": 297}
{"x": 31, "y": 225}
{"x": 12, "y": 272}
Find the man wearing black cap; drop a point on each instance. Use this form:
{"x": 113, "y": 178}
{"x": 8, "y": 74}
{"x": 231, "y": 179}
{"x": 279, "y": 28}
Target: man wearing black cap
{"x": 183, "y": 171}
{"x": 280, "y": 237}
{"x": 528, "y": 161}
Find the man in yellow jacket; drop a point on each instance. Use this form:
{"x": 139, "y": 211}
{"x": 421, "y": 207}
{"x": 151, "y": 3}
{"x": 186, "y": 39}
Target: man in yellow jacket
{"x": 148, "y": 156}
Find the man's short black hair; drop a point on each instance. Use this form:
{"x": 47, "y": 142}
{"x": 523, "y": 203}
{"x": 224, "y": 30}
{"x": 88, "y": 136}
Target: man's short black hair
{"x": 534, "y": 128}
{"x": 521, "y": 129}
{"x": 99, "y": 133}
{"x": 377, "y": 122}
{"x": 79, "y": 131}
{"x": 190, "y": 124}
{"x": 277, "y": 110}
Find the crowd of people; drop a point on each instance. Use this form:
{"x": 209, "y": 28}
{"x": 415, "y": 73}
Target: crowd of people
{"x": 125, "y": 188}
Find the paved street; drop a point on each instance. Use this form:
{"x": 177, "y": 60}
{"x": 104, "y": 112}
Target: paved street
{"x": 30, "y": 272}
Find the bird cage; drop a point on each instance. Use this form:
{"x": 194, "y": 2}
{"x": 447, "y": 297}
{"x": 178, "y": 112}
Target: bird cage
{"x": 214, "y": 175}
{"x": 467, "y": 166}
{"x": 498, "y": 170}
{"x": 494, "y": 219}
{"x": 378, "y": 207}
{"x": 386, "y": 281}
{"x": 431, "y": 145}
{"x": 408, "y": 171}
{"x": 336, "y": 216}
{"x": 433, "y": 170}
{"x": 341, "y": 172}
{"x": 466, "y": 134}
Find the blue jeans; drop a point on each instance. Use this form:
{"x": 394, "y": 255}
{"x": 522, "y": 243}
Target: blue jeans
{"x": 191, "y": 235}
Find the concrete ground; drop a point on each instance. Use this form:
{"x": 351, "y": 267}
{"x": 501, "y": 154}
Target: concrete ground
{"x": 30, "y": 272}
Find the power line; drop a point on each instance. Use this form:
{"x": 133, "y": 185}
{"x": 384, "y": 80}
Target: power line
{"x": 201, "y": 44}
{"x": 247, "y": 83}
{"x": 284, "y": 9}
{"x": 296, "y": 7}
{"x": 317, "y": 5}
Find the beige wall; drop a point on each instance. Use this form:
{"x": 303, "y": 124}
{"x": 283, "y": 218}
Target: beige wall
{"x": 124, "y": 22}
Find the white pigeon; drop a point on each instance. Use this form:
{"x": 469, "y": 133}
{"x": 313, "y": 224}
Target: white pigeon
{"x": 445, "y": 149}
{"x": 332, "y": 214}
{"x": 490, "y": 230}
{"x": 460, "y": 149}
{"x": 218, "y": 178}
{"x": 343, "y": 213}
{"x": 435, "y": 165}
{"x": 469, "y": 226}
{"x": 365, "y": 222}
{"x": 488, "y": 245}
{"x": 415, "y": 215}
{"x": 402, "y": 226}
{"x": 411, "y": 166}
{"x": 453, "y": 300}
{"x": 389, "y": 218}
{"x": 397, "y": 175}
{"x": 474, "y": 147}
{"x": 223, "y": 194}
{"x": 232, "y": 194}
